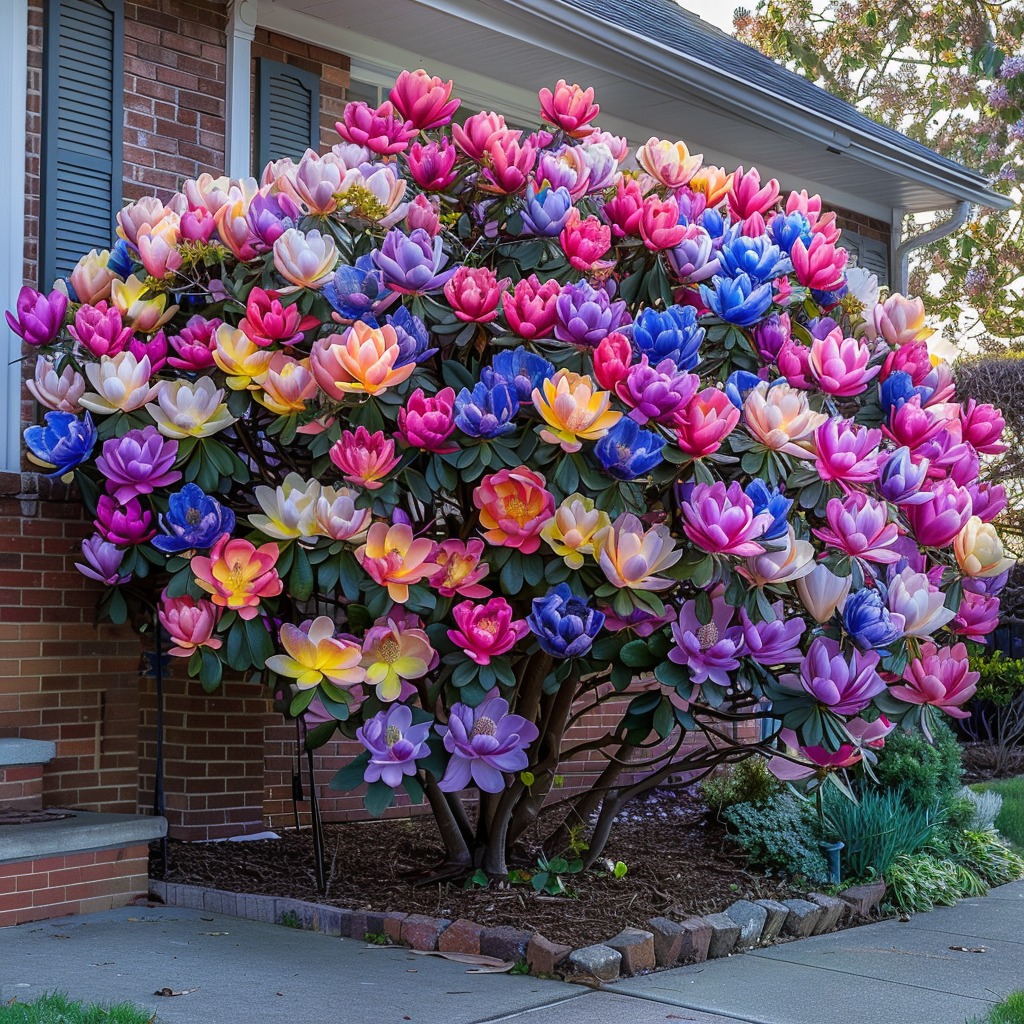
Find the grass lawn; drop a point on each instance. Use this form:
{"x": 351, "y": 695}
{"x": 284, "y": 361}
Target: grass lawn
{"x": 58, "y": 1009}
{"x": 1010, "y": 1011}
{"x": 1011, "y": 818}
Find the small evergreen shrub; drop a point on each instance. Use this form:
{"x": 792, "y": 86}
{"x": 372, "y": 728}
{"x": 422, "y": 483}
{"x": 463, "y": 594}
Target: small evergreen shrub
{"x": 985, "y": 808}
{"x": 780, "y": 834}
{"x": 928, "y": 773}
{"x": 745, "y": 782}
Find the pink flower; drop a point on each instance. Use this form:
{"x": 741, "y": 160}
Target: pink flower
{"x": 197, "y": 225}
{"x": 460, "y": 569}
{"x": 844, "y": 685}
{"x": 100, "y": 330}
{"x": 847, "y": 453}
{"x": 982, "y": 426}
{"x": 612, "y": 360}
{"x": 238, "y": 575}
{"x": 748, "y": 196}
{"x": 938, "y": 520}
{"x": 840, "y": 365}
{"x": 364, "y": 458}
{"x": 898, "y": 320}
{"x": 912, "y": 426}
{"x": 530, "y": 307}
{"x": 820, "y": 264}
{"x": 514, "y": 505}
{"x": 977, "y": 616}
{"x": 432, "y": 164}
{"x": 508, "y": 165}
{"x": 422, "y": 214}
{"x": 394, "y": 558}
{"x": 381, "y": 130}
{"x": 427, "y": 423}
{"x": 126, "y": 525}
{"x": 941, "y": 677}
{"x": 703, "y": 423}
{"x": 860, "y": 528}
{"x": 584, "y": 240}
{"x": 569, "y": 108}
{"x": 195, "y": 345}
{"x": 794, "y": 362}
{"x": 659, "y": 224}
{"x": 721, "y": 520}
{"x": 189, "y": 624}
{"x": 474, "y": 294}
{"x": 474, "y": 137}
{"x": 486, "y": 630}
{"x": 625, "y": 209}
{"x": 267, "y": 320}
{"x": 423, "y": 100}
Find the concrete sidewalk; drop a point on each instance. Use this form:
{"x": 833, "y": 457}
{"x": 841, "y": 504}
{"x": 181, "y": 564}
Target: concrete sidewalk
{"x": 246, "y": 972}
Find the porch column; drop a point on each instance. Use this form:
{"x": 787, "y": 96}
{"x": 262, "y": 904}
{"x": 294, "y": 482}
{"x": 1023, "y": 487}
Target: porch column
{"x": 241, "y": 31}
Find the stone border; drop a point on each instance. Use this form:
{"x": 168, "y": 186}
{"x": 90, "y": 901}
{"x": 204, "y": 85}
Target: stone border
{"x": 665, "y": 943}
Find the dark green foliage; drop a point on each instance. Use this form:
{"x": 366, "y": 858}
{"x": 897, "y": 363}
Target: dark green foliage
{"x": 928, "y": 773}
{"x": 781, "y": 834}
{"x": 745, "y": 782}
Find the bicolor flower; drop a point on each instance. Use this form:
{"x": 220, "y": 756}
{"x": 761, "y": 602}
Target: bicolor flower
{"x": 514, "y": 505}
{"x": 898, "y": 320}
{"x": 363, "y": 360}
{"x": 141, "y": 312}
{"x": 868, "y": 622}
{"x": 781, "y": 418}
{"x": 393, "y": 654}
{"x": 900, "y": 478}
{"x": 194, "y": 521}
{"x": 63, "y": 443}
{"x": 840, "y": 365}
{"x": 576, "y": 529}
{"x": 392, "y": 557}
{"x": 460, "y": 569}
{"x": 793, "y": 561}
{"x": 712, "y": 649}
{"x": 305, "y": 259}
{"x": 238, "y": 575}
{"x": 190, "y": 409}
{"x": 364, "y": 459}
{"x": 394, "y": 745}
{"x": 860, "y": 528}
{"x": 775, "y": 503}
{"x": 59, "y": 392}
{"x": 315, "y": 654}
{"x": 289, "y": 510}
{"x": 631, "y": 557}
{"x": 979, "y": 550}
{"x": 240, "y": 358}
{"x": 921, "y": 605}
{"x": 121, "y": 384}
{"x": 721, "y": 520}
{"x": 92, "y": 277}
{"x": 847, "y": 453}
{"x": 547, "y": 211}
{"x": 286, "y": 385}
{"x": 573, "y": 410}
{"x": 670, "y": 163}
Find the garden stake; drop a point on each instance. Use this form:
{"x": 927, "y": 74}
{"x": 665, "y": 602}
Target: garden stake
{"x": 318, "y": 831}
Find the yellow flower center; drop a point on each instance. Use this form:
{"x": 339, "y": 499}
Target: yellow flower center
{"x": 489, "y": 626}
{"x": 484, "y": 727}
{"x": 193, "y": 517}
{"x": 707, "y": 636}
{"x": 392, "y": 736}
{"x": 517, "y": 508}
{"x": 389, "y": 649}
{"x": 236, "y": 577}
{"x": 455, "y": 571}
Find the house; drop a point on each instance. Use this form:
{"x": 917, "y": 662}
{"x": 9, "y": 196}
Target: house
{"x": 108, "y": 100}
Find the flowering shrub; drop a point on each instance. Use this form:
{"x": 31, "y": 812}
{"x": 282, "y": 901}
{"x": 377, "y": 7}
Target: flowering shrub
{"x": 456, "y": 433}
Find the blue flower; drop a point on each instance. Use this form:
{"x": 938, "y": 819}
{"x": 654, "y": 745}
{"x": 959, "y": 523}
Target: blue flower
{"x": 713, "y": 223}
{"x": 413, "y": 338}
{"x": 120, "y": 260}
{"x": 773, "y": 501}
{"x": 359, "y": 292}
{"x": 564, "y": 625}
{"x": 194, "y": 521}
{"x": 829, "y": 299}
{"x": 486, "y": 411}
{"x": 65, "y": 442}
{"x": 519, "y": 367}
{"x": 897, "y": 389}
{"x": 627, "y": 452}
{"x": 671, "y": 334}
{"x": 547, "y": 210}
{"x": 869, "y": 623}
{"x": 737, "y": 300}
{"x": 758, "y": 258}
{"x": 741, "y": 383}
{"x": 786, "y": 230}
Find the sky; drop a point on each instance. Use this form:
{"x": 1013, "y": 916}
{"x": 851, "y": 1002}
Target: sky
{"x": 717, "y": 12}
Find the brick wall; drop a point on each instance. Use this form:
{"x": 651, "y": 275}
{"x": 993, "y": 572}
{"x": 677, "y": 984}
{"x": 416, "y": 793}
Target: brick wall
{"x": 21, "y": 786}
{"x": 76, "y": 883}
{"x": 867, "y": 227}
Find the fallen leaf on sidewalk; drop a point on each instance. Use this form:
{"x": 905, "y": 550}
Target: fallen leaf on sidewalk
{"x": 482, "y": 964}
{"x": 969, "y": 949}
{"x": 215, "y": 933}
{"x": 171, "y": 992}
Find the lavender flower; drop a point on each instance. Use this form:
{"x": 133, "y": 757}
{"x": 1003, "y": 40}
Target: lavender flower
{"x": 773, "y": 643}
{"x": 413, "y": 263}
{"x": 394, "y": 744}
{"x": 712, "y": 649}
{"x": 138, "y": 463}
{"x": 102, "y": 561}
{"x": 586, "y": 315}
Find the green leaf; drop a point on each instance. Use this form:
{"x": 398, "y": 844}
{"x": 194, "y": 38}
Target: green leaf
{"x": 636, "y": 654}
{"x": 301, "y": 701}
{"x": 527, "y": 779}
{"x": 210, "y": 670}
{"x": 320, "y": 735}
{"x": 412, "y": 786}
{"x": 664, "y": 719}
{"x": 378, "y": 799}
{"x": 300, "y": 580}
{"x": 351, "y": 775}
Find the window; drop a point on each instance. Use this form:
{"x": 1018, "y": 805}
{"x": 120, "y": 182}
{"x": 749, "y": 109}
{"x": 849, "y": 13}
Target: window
{"x": 83, "y": 93}
{"x": 287, "y": 113}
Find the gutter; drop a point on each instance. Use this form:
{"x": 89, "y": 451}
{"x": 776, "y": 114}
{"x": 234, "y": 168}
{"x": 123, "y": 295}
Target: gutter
{"x": 555, "y": 21}
{"x": 901, "y": 258}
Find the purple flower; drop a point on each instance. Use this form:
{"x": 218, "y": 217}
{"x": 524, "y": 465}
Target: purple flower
{"x": 412, "y": 263}
{"x": 484, "y": 742}
{"x": 271, "y": 216}
{"x": 694, "y": 259}
{"x": 773, "y": 643}
{"x": 38, "y": 318}
{"x": 138, "y": 463}
{"x": 394, "y": 744}
{"x": 710, "y": 650}
{"x": 844, "y": 686}
{"x": 413, "y": 338}
{"x": 127, "y": 524}
{"x": 102, "y": 561}
{"x": 770, "y": 335}
{"x": 900, "y": 479}
{"x": 358, "y": 292}
{"x": 547, "y": 210}
{"x": 657, "y": 393}
{"x": 586, "y": 315}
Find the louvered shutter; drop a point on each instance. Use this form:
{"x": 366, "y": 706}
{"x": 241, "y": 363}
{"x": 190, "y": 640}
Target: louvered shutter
{"x": 288, "y": 113}
{"x": 869, "y": 253}
{"x": 83, "y": 99}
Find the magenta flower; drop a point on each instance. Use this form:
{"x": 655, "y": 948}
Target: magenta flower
{"x": 941, "y": 677}
{"x": 128, "y": 524}
{"x": 658, "y": 393}
{"x": 530, "y": 307}
{"x": 423, "y": 100}
{"x": 364, "y": 459}
{"x": 460, "y": 569}
{"x": 710, "y": 650}
{"x": 847, "y": 453}
{"x": 938, "y": 520}
{"x": 427, "y": 423}
{"x": 845, "y": 686}
{"x": 432, "y": 164}
{"x": 486, "y": 630}
{"x": 840, "y": 365}
{"x": 860, "y": 528}
{"x": 484, "y": 742}
{"x": 100, "y": 330}
{"x": 820, "y": 264}
{"x": 987, "y": 499}
{"x": 195, "y": 344}
{"x": 138, "y": 463}
{"x": 102, "y": 561}
{"x": 474, "y": 294}
{"x": 721, "y": 520}
{"x": 153, "y": 348}
{"x": 382, "y": 130}
{"x": 981, "y": 425}
{"x": 912, "y": 425}
{"x": 977, "y": 616}
{"x": 394, "y": 745}
{"x": 773, "y": 643}
{"x": 37, "y": 318}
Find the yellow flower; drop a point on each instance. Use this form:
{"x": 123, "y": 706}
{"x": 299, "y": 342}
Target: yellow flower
{"x": 186, "y": 409}
{"x": 780, "y": 417}
{"x": 395, "y": 559}
{"x": 632, "y": 557}
{"x": 121, "y": 384}
{"x": 144, "y": 314}
{"x": 393, "y": 653}
{"x": 240, "y": 358}
{"x": 574, "y": 410}
{"x": 315, "y": 654}
{"x": 979, "y": 551}
{"x": 713, "y": 182}
{"x": 289, "y": 510}
{"x": 286, "y": 386}
{"x": 576, "y": 529}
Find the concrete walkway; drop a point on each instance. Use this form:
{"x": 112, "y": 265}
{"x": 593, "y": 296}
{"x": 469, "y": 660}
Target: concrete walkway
{"x": 248, "y": 973}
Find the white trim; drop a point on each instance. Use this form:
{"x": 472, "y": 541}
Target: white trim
{"x": 13, "y": 120}
{"x": 241, "y": 31}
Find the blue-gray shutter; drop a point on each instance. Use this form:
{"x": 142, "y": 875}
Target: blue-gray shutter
{"x": 288, "y": 113}
{"x": 869, "y": 253}
{"x": 83, "y": 100}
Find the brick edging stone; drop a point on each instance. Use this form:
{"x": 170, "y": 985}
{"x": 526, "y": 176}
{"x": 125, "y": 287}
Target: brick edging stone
{"x": 672, "y": 943}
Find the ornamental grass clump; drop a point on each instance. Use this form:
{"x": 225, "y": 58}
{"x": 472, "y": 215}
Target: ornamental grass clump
{"x": 458, "y": 433}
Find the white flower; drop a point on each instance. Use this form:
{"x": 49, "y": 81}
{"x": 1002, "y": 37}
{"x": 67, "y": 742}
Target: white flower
{"x": 185, "y": 409}
{"x": 121, "y": 384}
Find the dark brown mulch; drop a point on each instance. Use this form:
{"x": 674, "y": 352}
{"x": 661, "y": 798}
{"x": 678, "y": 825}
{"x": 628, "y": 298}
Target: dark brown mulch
{"x": 680, "y": 863}
{"x": 980, "y": 764}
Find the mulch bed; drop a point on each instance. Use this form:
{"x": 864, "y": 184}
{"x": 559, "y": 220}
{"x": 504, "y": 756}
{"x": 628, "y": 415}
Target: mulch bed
{"x": 680, "y": 862}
